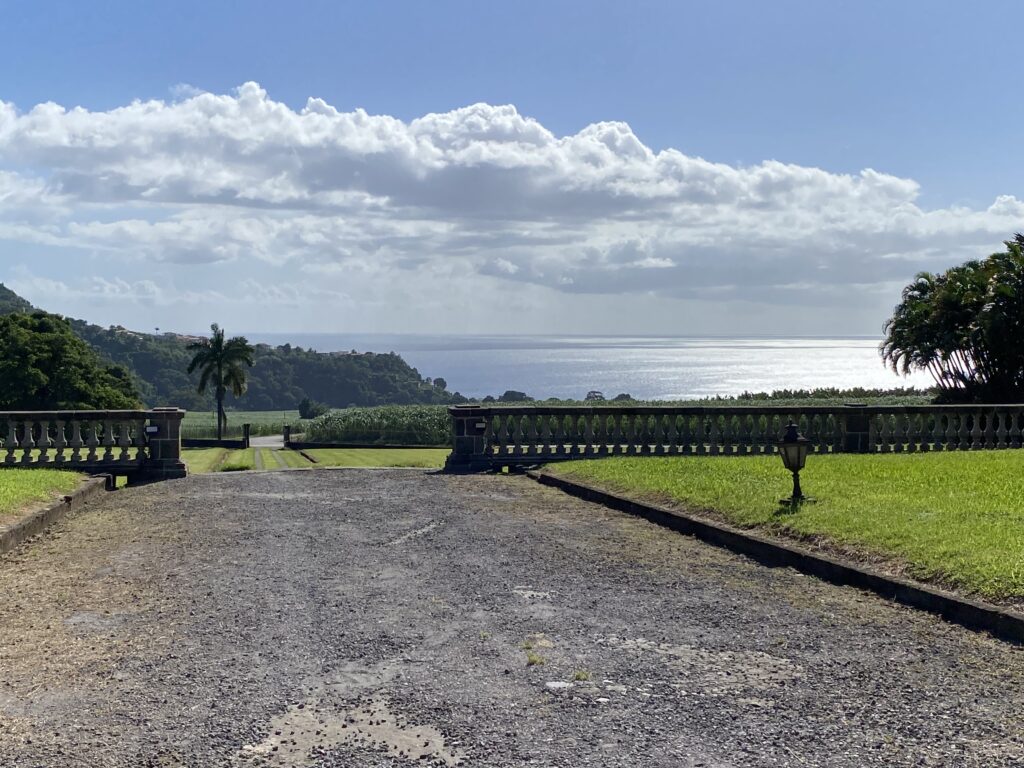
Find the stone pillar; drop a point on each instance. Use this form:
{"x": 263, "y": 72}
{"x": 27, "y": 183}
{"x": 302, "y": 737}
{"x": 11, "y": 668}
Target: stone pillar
{"x": 856, "y": 428}
{"x": 246, "y": 429}
{"x": 164, "y": 438}
{"x": 287, "y": 434}
{"x": 469, "y": 441}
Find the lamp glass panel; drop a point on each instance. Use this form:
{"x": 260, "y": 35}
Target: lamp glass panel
{"x": 800, "y": 455}
{"x": 786, "y": 451}
{"x": 794, "y": 455}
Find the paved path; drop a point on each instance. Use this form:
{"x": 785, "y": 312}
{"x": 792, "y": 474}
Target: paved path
{"x": 267, "y": 441}
{"x": 386, "y": 618}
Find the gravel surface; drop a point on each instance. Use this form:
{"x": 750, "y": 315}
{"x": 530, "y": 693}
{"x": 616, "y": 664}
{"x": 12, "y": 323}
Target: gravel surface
{"x": 390, "y": 618}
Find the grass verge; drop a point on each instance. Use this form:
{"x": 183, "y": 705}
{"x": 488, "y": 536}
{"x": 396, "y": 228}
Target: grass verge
{"x": 427, "y": 458}
{"x": 20, "y": 488}
{"x": 294, "y": 459}
{"x": 239, "y": 461}
{"x": 952, "y": 518}
{"x": 202, "y": 460}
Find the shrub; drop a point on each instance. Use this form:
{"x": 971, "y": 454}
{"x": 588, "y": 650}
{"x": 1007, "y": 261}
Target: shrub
{"x": 310, "y": 409}
{"x": 383, "y": 425}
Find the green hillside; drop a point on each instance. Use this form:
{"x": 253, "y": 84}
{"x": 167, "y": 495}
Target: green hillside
{"x": 11, "y": 302}
{"x": 281, "y": 377}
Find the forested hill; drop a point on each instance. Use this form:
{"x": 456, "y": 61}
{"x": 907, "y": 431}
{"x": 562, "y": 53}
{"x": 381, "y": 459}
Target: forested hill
{"x": 280, "y": 379}
{"x": 11, "y": 302}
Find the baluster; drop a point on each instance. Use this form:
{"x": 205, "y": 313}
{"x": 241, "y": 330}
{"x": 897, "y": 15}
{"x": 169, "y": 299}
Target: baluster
{"x": 725, "y": 436}
{"x": 990, "y": 430}
{"x": 1001, "y": 430}
{"x": 588, "y": 435}
{"x": 672, "y": 434}
{"x": 28, "y": 440}
{"x": 92, "y": 441}
{"x": 899, "y": 433}
{"x": 125, "y": 442}
{"x": 76, "y": 441}
{"x": 12, "y": 442}
{"x": 1015, "y": 416}
{"x": 614, "y": 436}
{"x": 643, "y": 434}
{"x": 657, "y": 435}
{"x": 927, "y": 429}
{"x": 61, "y": 443}
{"x": 741, "y": 438}
{"x": 912, "y": 420}
{"x": 714, "y": 438}
{"x": 887, "y": 432}
{"x": 43, "y": 443}
{"x": 630, "y": 434}
{"x": 974, "y": 437}
{"x": 952, "y": 430}
{"x": 684, "y": 434}
{"x": 819, "y": 421}
{"x": 873, "y": 421}
{"x": 962, "y": 431}
{"x": 937, "y": 433}
{"x": 494, "y": 448}
{"x": 522, "y": 444}
{"x": 545, "y": 435}
{"x": 756, "y": 446}
{"x": 108, "y": 441}
{"x": 604, "y": 434}
{"x": 534, "y": 427}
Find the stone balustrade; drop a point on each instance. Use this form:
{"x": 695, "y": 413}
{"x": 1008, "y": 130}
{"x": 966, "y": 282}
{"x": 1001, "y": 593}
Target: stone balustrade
{"x": 141, "y": 445}
{"x": 488, "y": 437}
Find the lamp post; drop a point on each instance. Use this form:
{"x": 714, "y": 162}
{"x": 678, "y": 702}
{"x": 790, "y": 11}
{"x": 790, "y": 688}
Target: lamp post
{"x": 793, "y": 449}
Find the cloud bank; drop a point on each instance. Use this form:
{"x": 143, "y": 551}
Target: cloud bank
{"x": 480, "y": 193}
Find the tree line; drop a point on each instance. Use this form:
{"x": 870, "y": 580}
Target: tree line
{"x": 965, "y": 327}
{"x": 131, "y": 368}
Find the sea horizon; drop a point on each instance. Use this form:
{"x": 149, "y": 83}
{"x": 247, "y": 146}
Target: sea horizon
{"x": 645, "y": 367}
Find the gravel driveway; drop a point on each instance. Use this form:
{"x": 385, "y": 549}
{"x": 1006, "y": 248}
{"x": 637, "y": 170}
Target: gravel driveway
{"x": 390, "y": 618}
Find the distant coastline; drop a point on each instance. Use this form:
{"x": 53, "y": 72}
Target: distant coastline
{"x": 647, "y": 367}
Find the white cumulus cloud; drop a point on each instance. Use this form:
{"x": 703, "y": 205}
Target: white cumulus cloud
{"x": 205, "y": 179}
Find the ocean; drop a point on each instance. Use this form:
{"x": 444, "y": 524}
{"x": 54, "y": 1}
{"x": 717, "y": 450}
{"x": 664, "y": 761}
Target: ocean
{"x": 648, "y": 368}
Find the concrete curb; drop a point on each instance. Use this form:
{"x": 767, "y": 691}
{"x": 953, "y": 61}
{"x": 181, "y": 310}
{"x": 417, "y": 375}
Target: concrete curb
{"x": 42, "y": 519}
{"x": 1001, "y": 622}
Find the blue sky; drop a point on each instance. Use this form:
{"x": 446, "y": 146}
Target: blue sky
{"x": 924, "y": 94}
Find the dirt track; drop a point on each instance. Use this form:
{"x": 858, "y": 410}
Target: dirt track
{"x": 386, "y": 618}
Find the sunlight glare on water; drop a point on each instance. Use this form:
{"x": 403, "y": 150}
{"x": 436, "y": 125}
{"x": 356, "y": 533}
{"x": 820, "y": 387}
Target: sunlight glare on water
{"x": 647, "y": 368}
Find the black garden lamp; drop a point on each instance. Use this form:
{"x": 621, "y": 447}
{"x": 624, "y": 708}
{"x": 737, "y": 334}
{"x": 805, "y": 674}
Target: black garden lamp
{"x": 793, "y": 449}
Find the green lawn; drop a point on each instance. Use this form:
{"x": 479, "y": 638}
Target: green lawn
{"x": 428, "y": 458}
{"x": 204, "y": 460}
{"x": 955, "y": 518}
{"x": 21, "y": 487}
{"x": 294, "y": 459}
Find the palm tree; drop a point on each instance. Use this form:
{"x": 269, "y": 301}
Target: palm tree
{"x": 220, "y": 364}
{"x": 966, "y": 327}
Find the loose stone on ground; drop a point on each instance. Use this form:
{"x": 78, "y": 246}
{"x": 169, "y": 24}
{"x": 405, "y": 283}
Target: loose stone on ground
{"x": 361, "y": 618}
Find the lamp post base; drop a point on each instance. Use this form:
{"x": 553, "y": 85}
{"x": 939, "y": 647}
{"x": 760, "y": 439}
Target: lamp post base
{"x": 791, "y": 502}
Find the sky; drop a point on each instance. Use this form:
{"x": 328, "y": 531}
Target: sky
{"x": 662, "y": 168}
